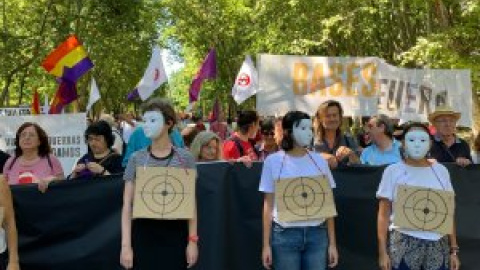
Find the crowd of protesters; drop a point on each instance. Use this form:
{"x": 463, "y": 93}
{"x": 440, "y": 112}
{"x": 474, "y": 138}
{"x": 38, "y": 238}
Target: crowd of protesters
{"x": 163, "y": 139}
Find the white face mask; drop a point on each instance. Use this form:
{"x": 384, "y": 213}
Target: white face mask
{"x": 154, "y": 123}
{"x": 417, "y": 144}
{"x": 303, "y": 134}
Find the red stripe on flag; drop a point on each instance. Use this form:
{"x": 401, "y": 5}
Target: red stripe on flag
{"x": 63, "y": 49}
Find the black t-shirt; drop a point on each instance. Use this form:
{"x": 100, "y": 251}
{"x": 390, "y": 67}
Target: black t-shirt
{"x": 3, "y": 159}
{"x": 112, "y": 163}
{"x": 443, "y": 153}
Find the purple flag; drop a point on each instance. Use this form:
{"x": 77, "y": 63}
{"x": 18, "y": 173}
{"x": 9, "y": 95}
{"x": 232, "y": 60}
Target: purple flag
{"x": 207, "y": 71}
{"x": 66, "y": 93}
{"x": 215, "y": 114}
{"x": 133, "y": 95}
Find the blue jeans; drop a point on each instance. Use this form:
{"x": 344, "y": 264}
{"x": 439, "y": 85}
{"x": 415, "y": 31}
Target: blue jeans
{"x": 299, "y": 248}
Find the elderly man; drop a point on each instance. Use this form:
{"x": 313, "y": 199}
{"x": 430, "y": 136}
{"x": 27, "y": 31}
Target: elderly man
{"x": 447, "y": 147}
{"x": 384, "y": 148}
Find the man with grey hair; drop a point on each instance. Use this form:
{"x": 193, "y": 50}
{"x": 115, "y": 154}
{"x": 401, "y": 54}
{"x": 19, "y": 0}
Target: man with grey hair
{"x": 384, "y": 148}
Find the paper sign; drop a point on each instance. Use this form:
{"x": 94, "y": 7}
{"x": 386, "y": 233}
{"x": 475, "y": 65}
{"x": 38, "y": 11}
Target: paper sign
{"x": 424, "y": 209}
{"x": 304, "y": 198}
{"x": 164, "y": 193}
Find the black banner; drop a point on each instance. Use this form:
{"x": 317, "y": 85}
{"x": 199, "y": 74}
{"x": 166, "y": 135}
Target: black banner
{"x": 76, "y": 224}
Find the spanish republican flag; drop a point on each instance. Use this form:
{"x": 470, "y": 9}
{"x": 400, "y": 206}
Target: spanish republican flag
{"x": 36, "y": 103}
{"x": 68, "y": 61}
{"x": 66, "y": 93}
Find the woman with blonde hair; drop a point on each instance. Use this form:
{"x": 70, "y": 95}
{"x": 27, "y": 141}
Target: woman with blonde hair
{"x": 206, "y": 147}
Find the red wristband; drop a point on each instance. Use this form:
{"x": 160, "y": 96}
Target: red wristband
{"x": 193, "y": 238}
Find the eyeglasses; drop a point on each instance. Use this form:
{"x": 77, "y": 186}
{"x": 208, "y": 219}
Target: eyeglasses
{"x": 94, "y": 138}
{"x": 446, "y": 121}
{"x": 28, "y": 135}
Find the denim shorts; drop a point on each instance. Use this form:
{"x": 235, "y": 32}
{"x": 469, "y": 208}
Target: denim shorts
{"x": 299, "y": 248}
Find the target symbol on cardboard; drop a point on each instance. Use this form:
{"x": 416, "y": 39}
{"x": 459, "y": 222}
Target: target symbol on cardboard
{"x": 304, "y": 197}
{"x": 163, "y": 194}
{"x": 426, "y": 210}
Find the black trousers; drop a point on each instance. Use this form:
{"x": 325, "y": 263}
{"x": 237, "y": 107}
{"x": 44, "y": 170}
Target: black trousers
{"x": 159, "y": 244}
{"x": 3, "y": 260}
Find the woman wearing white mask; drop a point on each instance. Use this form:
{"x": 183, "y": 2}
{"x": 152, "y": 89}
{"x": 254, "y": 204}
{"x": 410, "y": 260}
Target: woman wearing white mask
{"x": 408, "y": 249}
{"x": 153, "y": 244}
{"x": 295, "y": 245}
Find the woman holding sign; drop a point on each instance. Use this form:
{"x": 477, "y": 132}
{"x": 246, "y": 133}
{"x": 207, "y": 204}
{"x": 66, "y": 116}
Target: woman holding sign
{"x": 294, "y": 233}
{"x": 416, "y": 210}
{"x": 157, "y": 242}
{"x": 33, "y": 161}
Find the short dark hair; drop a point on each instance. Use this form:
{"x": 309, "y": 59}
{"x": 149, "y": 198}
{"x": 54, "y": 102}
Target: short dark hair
{"x": 413, "y": 125}
{"x": 245, "y": 119}
{"x": 267, "y": 124}
{"x": 101, "y": 128}
{"x": 44, "y": 147}
{"x": 291, "y": 119}
{"x": 165, "y": 107}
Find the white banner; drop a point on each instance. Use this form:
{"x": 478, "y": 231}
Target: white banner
{"x": 21, "y": 111}
{"x": 363, "y": 85}
{"x": 411, "y": 94}
{"x": 65, "y": 133}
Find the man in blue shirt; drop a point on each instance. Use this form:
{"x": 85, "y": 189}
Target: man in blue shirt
{"x": 384, "y": 149}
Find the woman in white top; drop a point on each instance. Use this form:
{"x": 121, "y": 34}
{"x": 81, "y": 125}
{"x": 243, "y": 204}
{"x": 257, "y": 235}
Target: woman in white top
{"x": 410, "y": 249}
{"x": 301, "y": 244}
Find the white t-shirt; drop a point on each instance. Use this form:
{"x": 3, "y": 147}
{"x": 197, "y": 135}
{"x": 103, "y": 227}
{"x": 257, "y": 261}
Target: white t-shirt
{"x": 435, "y": 177}
{"x": 127, "y": 130}
{"x": 292, "y": 167}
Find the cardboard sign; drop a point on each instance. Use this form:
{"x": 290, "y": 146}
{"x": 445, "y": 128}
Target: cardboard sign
{"x": 164, "y": 193}
{"x": 424, "y": 209}
{"x": 304, "y": 198}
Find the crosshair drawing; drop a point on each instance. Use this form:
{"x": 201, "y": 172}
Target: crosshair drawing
{"x": 163, "y": 194}
{"x": 425, "y": 209}
{"x": 304, "y": 197}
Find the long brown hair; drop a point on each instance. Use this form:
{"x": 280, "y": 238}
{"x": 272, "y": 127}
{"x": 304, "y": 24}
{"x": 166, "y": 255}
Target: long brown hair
{"x": 44, "y": 147}
{"x": 318, "y": 127}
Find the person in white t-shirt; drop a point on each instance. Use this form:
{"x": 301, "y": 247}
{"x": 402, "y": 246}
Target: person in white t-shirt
{"x": 300, "y": 245}
{"x": 408, "y": 249}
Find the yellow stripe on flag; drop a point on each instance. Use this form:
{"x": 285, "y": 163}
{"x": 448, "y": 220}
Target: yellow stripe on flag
{"x": 69, "y": 60}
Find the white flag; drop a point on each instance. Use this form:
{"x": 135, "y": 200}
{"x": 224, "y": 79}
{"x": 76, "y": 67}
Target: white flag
{"x": 246, "y": 83}
{"x": 154, "y": 75}
{"x": 94, "y": 94}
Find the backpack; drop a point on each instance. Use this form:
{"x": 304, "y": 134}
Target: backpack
{"x": 238, "y": 144}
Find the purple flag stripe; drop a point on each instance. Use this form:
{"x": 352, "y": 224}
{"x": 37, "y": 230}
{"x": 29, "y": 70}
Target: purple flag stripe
{"x": 133, "y": 95}
{"x": 75, "y": 72}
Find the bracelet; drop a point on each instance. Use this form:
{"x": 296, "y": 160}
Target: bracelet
{"x": 193, "y": 238}
{"x": 454, "y": 250}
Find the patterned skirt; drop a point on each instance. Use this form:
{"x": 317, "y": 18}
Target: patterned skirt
{"x": 411, "y": 253}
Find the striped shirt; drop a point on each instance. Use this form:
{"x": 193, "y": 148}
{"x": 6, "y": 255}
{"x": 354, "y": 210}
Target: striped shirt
{"x": 179, "y": 157}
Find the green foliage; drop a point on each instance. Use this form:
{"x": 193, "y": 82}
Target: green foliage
{"x": 120, "y": 33}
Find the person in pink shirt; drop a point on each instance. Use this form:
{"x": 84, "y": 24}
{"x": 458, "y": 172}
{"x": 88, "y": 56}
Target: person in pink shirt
{"x": 33, "y": 161}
